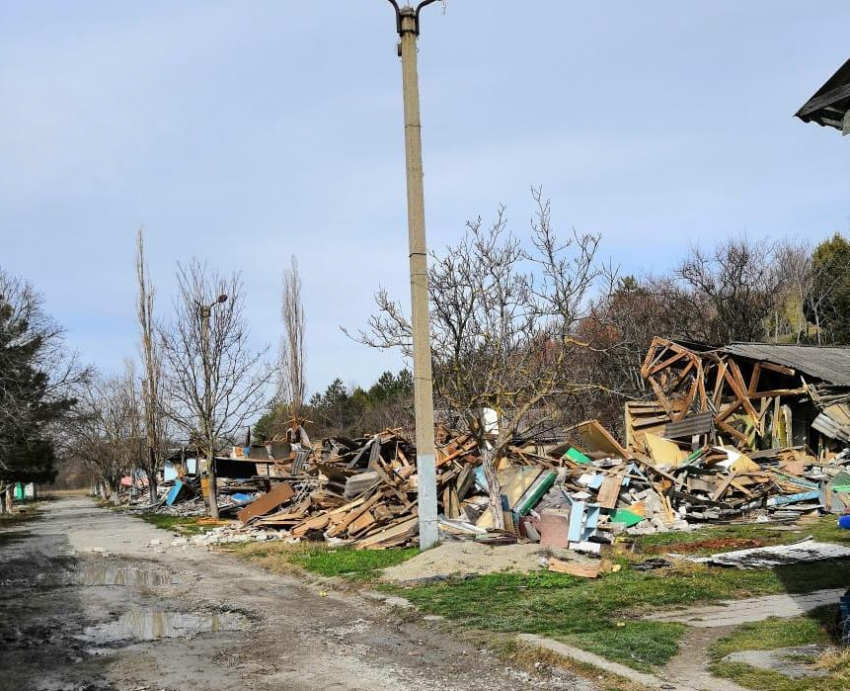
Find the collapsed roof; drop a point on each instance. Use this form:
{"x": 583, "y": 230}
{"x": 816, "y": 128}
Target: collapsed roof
{"x": 830, "y": 105}
{"x": 829, "y": 364}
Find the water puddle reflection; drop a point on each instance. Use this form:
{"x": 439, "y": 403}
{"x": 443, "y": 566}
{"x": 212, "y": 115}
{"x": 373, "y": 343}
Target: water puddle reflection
{"x": 143, "y": 625}
{"x": 112, "y": 574}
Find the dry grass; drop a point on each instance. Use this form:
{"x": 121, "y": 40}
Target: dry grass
{"x": 277, "y": 557}
{"x": 531, "y": 658}
{"x": 835, "y": 660}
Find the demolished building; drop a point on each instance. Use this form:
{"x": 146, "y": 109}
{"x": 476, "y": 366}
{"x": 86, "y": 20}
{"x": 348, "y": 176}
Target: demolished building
{"x": 740, "y": 432}
{"x": 758, "y": 396}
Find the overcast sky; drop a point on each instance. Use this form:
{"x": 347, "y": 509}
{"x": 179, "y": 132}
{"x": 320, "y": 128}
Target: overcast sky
{"x": 244, "y": 131}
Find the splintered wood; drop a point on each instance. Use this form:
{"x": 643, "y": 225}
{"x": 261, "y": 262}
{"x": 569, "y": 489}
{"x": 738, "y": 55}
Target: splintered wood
{"x": 369, "y": 493}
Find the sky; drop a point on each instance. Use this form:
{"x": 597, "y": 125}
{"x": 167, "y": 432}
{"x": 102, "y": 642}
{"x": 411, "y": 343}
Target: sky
{"x": 244, "y": 131}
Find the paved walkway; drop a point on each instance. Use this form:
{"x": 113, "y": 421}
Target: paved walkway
{"x": 736, "y": 612}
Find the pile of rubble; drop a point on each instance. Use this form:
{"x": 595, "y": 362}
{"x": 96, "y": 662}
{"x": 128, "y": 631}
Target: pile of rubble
{"x": 365, "y": 491}
{"x": 745, "y": 432}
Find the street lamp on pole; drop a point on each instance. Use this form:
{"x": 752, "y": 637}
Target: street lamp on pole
{"x": 207, "y": 426}
{"x": 407, "y": 24}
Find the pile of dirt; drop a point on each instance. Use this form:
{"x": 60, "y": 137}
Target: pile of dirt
{"x": 720, "y": 544}
{"x": 459, "y": 559}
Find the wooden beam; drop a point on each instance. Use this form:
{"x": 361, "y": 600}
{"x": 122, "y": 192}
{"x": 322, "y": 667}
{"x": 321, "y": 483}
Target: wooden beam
{"x": 718, "y": 384}
{"x": 778, "y": 368}
{"x": 754, "y": 379}
{"x": 666, "y": 363}
{"x": 780, "y": 392}
{"x": 662, "y": 397}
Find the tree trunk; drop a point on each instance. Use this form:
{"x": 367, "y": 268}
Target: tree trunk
{"x": 9, "y": 498}
{"x": 2, "y": 503}
{"x": 494, "y": 489}
{"x": 211, "y": 493}
{"x": 152, "y": 487}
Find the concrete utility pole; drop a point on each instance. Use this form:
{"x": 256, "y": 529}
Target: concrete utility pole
{"x": 207, "y": 424}
{"x": 407, "y": 24}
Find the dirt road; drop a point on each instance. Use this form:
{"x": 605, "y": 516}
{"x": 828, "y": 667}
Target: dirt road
{"x": 87, "y": 603}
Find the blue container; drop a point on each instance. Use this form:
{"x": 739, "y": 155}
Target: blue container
{"x": 844, "y": 522}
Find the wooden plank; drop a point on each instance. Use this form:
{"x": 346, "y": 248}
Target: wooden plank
{"x": 317, "y": 523}
{"x": 597, "y": 438}
{"x": 721, "y": 489}
{"x": 363, "y": 521}
{"x": 692, "y": 392}
{"x": 464, "y": 449}
{"x": 573, "y": 569}
{"x": 403, "y": 530}
{"x": 267, "y": 502}
{"x": 340, "y": 527}
{"x": 609, "y": 493}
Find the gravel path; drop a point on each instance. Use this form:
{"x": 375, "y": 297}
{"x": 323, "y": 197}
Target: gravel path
{"x": 88, "y": 604}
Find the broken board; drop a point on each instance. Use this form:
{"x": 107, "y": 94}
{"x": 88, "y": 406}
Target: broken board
{"x": 267, "y": 502}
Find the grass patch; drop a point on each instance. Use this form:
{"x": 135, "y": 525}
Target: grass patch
{"x": 817, "y": 627}
{"x": 322, "y": 559}
{"x": 770, "y": 634}
{"x": 350, "y": 562}
{"x": 602, "y": 615}
{"x": 766, "y": 680}
{"x": 184, "y": 525}
{"x": 725, "y": 538}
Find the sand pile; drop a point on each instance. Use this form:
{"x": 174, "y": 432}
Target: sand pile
{"x": 466, "y": 559}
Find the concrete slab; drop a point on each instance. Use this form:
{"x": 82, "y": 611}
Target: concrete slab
{"x": 568, "y": 651}
{"x": 737, "y": 612}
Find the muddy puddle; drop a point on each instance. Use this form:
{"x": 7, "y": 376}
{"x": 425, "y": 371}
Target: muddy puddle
{"x": 114, "y": 574}
{"x": 145, "y": 625}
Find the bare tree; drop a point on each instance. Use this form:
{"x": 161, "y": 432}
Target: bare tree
{"x": 815, "y": 283}
{"x": 152, "y": 382}
{"x": 215, "y": 382}
{"x": 504, "y": 320}
{"x": 728, "y": 293}
{"x": 105, "y": 433}
{"x": 292, "y": 380}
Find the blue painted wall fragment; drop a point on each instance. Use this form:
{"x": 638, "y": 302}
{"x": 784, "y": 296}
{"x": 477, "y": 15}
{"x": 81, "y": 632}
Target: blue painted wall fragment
{"x": 591, "y": 523}
{"x": 174, "y": 492}
{"x": 576, "y": 519}
{"x": 793, "y": 498}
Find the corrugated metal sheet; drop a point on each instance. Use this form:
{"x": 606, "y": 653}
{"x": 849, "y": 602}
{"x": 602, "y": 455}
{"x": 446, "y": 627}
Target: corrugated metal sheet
{"x": 828, "y": 364}
{"x": 826, "y": 425}
{"x": 695, "y": 424}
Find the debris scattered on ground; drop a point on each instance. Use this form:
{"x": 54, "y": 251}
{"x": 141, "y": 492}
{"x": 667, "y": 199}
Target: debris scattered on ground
{"x": 777, "y": 555}
{"x": 746, "y": 433}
